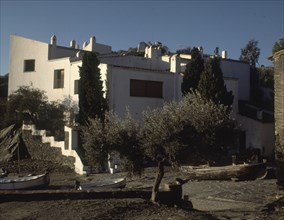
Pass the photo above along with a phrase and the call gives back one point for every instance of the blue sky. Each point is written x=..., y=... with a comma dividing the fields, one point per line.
x=228, y=25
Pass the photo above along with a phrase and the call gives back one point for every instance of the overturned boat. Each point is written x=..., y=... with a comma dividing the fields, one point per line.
x=231, y=172
x=102, y=185
x=24, y=182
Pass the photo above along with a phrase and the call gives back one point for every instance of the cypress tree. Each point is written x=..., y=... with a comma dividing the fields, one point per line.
x=211, y=85
x=92, y=102
x=192, y=72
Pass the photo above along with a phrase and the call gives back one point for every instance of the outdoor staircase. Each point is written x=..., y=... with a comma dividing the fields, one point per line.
x=67, y=148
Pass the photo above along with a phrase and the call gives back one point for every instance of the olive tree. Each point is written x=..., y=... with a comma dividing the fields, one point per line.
x=161, y=139
x=194, y=125
x=113, y=134
x=167, y=135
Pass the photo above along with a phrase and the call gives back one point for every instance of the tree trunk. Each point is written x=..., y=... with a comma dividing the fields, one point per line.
x=158, y=180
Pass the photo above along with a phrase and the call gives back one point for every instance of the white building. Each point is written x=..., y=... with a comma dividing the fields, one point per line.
x=132, y=81
x=54, y=69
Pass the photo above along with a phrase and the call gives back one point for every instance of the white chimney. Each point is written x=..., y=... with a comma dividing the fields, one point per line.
x=53, y=40
x=73, y=44
x=85, y=44
x=93, y=39
x=152, y=52
x=92, y=43
x=175, y=64
x=224, y=54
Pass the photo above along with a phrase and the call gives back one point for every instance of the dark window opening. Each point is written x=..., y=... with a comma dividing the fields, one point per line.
x=58, y=79
x=76, y=87
x=29, y=65
x=144, y=88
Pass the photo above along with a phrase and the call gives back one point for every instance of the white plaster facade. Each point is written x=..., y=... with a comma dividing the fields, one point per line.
x=259, y=135
x=117, y=71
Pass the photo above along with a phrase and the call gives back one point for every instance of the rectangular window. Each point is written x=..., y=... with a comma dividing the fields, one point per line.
x=29, y=65
x=58, y=79
x=144, y=88
x=76, y=87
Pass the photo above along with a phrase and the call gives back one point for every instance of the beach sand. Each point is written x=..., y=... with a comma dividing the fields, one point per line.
x=210, y=199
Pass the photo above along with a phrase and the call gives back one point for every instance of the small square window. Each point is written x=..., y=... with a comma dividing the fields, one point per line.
x=29, y=65
x=58, y=79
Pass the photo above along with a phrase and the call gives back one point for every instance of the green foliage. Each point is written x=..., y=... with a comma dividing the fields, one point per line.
x=178, y=131
x=262, y=79
x=211, y=84
x=278, y=45
x=4, y=85
x=192, y=72
x=4, y=122
x=6, y=119
x=51, y=118
x=266, y=77
x=250, y=53
x=214, y=129
x=92, y=102
x=162, y=133
x=190, y=127
x=92, y=135
x=27, y=100
x=130, y=145
x=32, y=106
x=113, y=134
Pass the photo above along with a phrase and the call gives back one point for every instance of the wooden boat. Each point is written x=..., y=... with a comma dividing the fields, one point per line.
x=24, y=182
x=102, y=185
x=231, y=172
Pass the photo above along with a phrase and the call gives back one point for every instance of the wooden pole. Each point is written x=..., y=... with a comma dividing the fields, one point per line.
x=19, y=169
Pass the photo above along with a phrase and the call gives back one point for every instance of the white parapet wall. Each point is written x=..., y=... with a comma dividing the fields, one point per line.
x=68, y=151
x=71, y=151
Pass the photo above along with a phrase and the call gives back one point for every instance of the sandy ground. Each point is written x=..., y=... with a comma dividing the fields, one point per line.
x=210, y=200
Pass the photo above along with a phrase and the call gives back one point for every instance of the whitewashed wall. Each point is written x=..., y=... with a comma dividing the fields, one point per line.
x=119, y=90
x=258, y=135
x=232, y=85
x=23, y=49
x=241, y=71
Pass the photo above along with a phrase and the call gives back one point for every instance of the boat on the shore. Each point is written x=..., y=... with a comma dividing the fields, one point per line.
x=102, y=185
x=24, y=182
x=230, y=172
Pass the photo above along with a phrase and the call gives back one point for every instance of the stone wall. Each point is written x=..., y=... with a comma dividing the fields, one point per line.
x=278, y=59
x=279, y=101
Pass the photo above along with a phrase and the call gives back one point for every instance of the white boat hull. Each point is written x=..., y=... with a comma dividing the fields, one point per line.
x=103, y=185
x=25, y=182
